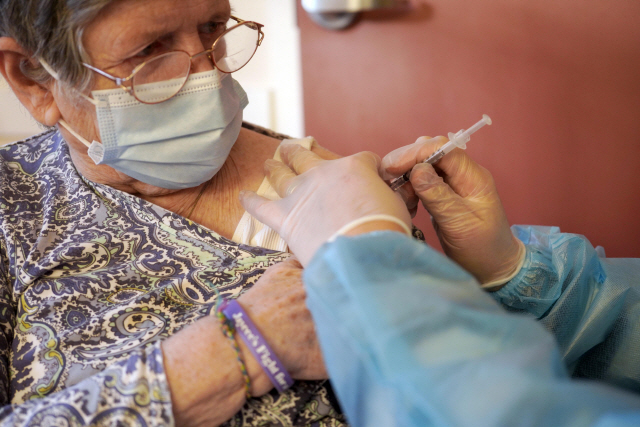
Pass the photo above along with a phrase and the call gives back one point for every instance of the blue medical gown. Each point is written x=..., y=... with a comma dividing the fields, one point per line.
x=409, y=339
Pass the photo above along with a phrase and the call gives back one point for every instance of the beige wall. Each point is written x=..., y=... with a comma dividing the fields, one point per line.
x=273, y=78
x=15, y=122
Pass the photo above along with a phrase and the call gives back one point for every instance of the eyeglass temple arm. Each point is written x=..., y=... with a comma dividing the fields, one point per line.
x=260, y=26
x=118, y=80
x=260, y=33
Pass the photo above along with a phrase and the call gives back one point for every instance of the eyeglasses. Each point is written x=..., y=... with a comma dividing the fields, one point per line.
x=230, y=51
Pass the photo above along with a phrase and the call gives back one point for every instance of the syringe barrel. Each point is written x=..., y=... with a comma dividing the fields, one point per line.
x=459, y=139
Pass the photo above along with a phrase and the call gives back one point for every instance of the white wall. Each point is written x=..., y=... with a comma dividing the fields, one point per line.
x=272, y=79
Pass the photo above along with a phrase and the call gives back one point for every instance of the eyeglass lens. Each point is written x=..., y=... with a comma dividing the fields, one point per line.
x=231, y=52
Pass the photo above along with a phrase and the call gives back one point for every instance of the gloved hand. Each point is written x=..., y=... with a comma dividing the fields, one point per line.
x=406, y=157
x=321, y=196
x=465, y=209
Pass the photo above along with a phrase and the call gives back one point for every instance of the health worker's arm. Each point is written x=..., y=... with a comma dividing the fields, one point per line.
x=409, y=339
x=590, y=304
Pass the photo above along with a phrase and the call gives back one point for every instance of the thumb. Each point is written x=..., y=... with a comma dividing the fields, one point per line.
x=403, y=159
x=436, y=195
x=264, y=210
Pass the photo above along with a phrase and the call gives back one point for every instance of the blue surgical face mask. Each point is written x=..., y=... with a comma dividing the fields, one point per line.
x=178, y=143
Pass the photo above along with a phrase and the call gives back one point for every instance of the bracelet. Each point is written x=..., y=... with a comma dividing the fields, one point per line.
x=259, y=348
x=227, y=330
x=369, y=218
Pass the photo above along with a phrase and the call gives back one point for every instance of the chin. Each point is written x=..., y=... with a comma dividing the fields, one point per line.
x=133, y=186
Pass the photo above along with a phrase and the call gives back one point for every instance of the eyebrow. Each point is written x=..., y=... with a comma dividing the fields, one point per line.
x=140, y=40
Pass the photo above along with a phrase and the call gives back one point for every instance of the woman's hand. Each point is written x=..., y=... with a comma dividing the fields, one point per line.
x=207, y=386
x=276, y=304
x=465, y=208
x=321, y=196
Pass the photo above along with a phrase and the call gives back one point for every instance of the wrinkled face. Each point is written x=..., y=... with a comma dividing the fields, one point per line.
x=129, y=32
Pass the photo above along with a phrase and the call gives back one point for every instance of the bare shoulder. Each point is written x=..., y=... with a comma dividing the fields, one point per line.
x=254, y=146
x=264, y=131
x=262, y=143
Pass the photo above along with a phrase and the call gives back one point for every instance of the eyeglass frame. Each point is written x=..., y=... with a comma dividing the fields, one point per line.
x=120, y=80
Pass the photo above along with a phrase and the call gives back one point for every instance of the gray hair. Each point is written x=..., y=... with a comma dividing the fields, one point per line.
x=51, y=30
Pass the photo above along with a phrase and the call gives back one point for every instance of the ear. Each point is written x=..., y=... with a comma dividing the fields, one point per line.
x=37, y=98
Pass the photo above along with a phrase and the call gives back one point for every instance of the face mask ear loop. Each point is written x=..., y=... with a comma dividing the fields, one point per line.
x=56, y=76
x=74, y=133
x=48, y=69
x=63, y=123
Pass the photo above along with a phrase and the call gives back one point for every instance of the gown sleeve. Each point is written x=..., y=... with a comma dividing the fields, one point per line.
x=409, y=339
x=591, y=304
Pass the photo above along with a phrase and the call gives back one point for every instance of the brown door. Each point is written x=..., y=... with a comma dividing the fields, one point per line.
x=560, y=79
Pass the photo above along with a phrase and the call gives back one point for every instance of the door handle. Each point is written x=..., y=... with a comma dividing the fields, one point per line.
x=339, y=14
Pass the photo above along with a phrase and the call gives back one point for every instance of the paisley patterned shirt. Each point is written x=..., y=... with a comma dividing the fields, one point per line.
x=91, y=281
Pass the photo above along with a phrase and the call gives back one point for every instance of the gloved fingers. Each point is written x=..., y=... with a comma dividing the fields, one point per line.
x=370, y=158
x=466, y=177
x=323, y=152
x=264, y=210
x=413, y=211
x=280, y=177
x=410, y=198
x=299, y=158
x=438, y=197
x=404, y=158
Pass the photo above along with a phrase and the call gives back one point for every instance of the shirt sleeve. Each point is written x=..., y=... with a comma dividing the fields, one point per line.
x=132, y=392
x=409, y=339
x=591, y=304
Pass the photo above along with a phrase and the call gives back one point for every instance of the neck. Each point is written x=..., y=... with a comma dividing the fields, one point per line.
x=213, y=204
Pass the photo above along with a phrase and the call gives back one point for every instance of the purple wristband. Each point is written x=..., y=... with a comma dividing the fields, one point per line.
x=258, y=346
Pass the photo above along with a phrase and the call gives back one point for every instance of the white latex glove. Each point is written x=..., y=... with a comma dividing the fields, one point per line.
x=465, y=209
x=321, y=196
x=408, y=156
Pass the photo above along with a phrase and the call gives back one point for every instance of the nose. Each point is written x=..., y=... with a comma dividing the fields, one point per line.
x=200, y=61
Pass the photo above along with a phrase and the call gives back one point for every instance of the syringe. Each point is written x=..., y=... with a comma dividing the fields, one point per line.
x=459, y=139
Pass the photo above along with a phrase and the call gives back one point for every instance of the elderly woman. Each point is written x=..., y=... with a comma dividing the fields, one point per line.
x=121, y=225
